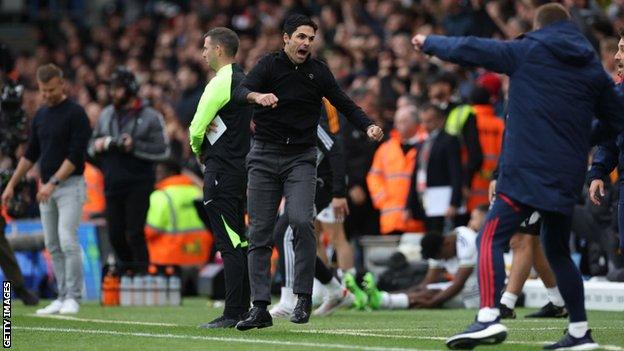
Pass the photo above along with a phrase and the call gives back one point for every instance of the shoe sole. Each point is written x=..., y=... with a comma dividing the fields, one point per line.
x=590, y=346
x=492, y=335
x=264, y=325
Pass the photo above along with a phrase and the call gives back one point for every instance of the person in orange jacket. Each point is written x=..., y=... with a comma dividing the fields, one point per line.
x=490, y=129
x=389, y=177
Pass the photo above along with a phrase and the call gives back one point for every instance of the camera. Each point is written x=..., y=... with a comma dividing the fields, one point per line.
x=12, y=119
x=13, y=133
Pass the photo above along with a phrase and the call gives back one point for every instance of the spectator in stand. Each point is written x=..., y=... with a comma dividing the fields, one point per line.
x=390, y=174
x=437, y=166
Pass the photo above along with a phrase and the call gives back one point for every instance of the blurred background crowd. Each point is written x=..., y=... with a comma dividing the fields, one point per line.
x=366, y=44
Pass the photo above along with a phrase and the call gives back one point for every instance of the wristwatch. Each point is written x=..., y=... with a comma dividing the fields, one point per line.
x=54, y=180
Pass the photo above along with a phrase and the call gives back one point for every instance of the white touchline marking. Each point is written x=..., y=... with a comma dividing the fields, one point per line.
x=356, y=332
x=76, y=319
x=223, y=339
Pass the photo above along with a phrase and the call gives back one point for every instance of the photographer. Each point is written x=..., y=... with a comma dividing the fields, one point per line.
x=128, y=139
x=12, y=134
x=59, y=135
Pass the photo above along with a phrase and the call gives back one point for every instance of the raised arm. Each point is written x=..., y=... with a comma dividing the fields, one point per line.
x=494, y=55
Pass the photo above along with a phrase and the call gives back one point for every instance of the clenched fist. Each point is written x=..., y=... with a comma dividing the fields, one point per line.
x=374, y=133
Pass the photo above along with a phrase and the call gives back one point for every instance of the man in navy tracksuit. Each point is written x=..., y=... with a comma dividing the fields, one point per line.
x=557, y=85
x=609, y=155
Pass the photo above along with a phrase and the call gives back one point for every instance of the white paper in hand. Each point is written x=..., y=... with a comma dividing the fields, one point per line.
x=436, y=200
x=214, y=135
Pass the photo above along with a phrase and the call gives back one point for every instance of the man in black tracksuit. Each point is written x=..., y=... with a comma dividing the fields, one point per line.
x=128, y=139
x=287, y=88
x=224, y=161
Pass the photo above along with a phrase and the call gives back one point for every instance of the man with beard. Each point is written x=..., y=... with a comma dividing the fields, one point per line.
x=286, y=88
x=58, y=140
x=128, y=139
x=609, y=155
x=224, y=162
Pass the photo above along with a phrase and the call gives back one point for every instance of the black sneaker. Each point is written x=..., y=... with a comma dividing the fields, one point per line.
x=257, y=317
x=302, y=311
x=568, y=342
x=478, y=333
x=220, y=323
x=549, y=311
x=27, y=297
x=506, y=312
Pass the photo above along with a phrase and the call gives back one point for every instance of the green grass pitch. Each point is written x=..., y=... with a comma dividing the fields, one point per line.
x=175, y=329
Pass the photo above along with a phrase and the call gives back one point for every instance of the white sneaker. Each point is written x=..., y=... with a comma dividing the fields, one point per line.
x=54, y=307
x=286, y=305
x=333, y=301
x=70, y=306
x=318, y=293
x=282, y=310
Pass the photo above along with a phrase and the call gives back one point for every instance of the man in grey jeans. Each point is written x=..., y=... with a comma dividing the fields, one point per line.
x=286, y=88
x=58, y=141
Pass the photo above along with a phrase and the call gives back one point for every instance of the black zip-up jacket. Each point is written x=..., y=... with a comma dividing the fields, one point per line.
x=299, y=89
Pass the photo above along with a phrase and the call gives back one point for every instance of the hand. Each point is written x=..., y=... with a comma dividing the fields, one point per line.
x=419, y=41
x=451, y=212
x=100, y=144
x=7, y=194
x=127, y=142
x=45, y=192
x=357, y=195
x=266, y=100
x=493, y=9
x=341, y=208
x=374, y=133
x=596, y=185
x=492, y=190
x=426, y=303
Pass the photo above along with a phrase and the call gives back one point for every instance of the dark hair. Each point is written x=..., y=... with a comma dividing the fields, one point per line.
x=431, y=245
x=124, y=78
x=429, y=106
x=479, y=96
x=47, y=72
x=297, y=20
x=549, y=14
x=226, y=38
x=444, y=77
x=621, y=32
x=171, y=166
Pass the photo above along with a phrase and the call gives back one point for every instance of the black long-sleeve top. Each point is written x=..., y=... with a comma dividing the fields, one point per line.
x=299, y=89
x=59, y=132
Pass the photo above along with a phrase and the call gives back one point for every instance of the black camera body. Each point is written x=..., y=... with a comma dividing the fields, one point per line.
x=12, y=119
x=13, y=132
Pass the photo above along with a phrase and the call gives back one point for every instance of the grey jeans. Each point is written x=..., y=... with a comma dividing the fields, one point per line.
x=276, y=171
x=60, y=217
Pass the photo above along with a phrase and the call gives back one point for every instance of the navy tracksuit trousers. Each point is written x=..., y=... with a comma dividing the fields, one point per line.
x=502, y=221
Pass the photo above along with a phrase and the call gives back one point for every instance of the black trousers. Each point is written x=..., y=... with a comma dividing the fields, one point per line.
x=224, y=201
x=284, y=241
x=275, y=171
x=126, y=212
